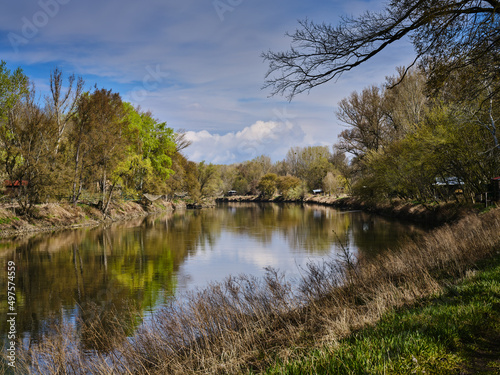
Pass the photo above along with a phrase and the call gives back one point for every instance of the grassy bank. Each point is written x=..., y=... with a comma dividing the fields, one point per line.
x=343, y=308
x=454, y=332
x=55, y=216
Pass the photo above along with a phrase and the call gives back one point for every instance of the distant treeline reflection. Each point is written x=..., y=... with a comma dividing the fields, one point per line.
x=81, y=276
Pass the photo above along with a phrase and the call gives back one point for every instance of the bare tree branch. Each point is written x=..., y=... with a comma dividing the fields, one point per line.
x=460, y=30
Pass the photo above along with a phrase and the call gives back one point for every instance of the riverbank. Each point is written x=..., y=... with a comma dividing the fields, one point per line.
x=456, y=331
x=59, y=216
x=250, y=325
x=429, y=214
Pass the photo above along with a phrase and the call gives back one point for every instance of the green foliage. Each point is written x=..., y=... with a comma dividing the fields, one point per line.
x=310, y=164
x=151, y=146
x=436, y=338
x=191, y=183
x=28, y=143
x=12, y=87
x=287, y=185
x=333, y=183
x=208, y=179
x=184, y=179
x=98, y=140
x=249, y=173
x=298, y=192
x=241, y=185
x=267, y=185
x=442, y=146
x=81, y=143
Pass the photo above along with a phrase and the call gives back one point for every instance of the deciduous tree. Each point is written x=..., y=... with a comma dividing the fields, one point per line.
x=363, y=114
x=447, y=34
x=267, y=185
x=286, y=185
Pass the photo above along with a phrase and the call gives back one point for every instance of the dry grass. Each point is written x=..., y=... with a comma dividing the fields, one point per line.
x=244, y=324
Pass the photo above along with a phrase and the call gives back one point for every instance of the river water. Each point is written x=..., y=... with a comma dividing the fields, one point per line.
x=143, y=263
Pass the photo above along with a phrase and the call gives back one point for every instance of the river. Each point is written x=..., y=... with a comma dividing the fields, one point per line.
x=145, y=262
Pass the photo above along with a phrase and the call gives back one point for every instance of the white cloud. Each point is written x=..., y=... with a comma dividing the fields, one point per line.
x=210, y=71
x=270, y=138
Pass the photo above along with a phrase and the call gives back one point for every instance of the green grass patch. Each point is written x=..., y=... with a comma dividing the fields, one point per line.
x=454, y=333
x=5, y=220
x=8, y=220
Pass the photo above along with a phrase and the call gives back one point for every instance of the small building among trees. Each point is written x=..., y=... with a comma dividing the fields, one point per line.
x=448, y=187
x=13, y=188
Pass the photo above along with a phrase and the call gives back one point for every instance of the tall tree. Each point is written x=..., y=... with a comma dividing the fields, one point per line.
x=364, y=115
x=207, y=176
x=310, y=164
x=267, y=185
x=26, y=134
x=152, y=145
x=62, y=105
x=99, y=140
x=405, y=102
x=287, y=184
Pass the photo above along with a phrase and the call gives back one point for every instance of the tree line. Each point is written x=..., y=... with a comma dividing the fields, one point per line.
x=401, y=138
x=76, y=145
x=302, y=170
x=404, y=138
x=407, y=140
x=73, y=145
x=430, y=127
x=433, y=123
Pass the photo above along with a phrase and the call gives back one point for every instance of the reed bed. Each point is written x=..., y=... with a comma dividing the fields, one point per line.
x=245, y=324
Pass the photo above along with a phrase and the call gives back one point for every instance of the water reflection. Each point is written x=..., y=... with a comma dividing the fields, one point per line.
x=80, y=276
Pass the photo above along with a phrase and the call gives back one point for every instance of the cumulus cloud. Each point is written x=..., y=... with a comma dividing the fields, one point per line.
x=270, y=138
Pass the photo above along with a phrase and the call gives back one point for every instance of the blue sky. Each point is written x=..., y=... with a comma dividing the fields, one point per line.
x=196, y=64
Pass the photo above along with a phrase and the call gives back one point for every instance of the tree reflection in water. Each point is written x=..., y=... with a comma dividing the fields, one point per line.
x=96, y=278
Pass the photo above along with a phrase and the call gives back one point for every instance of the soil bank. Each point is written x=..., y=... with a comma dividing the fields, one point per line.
x=56, y=216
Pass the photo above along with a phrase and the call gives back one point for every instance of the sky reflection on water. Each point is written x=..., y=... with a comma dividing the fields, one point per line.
x=142, y=263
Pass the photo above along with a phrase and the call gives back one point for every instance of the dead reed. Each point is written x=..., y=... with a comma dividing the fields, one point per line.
x=244, y=324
